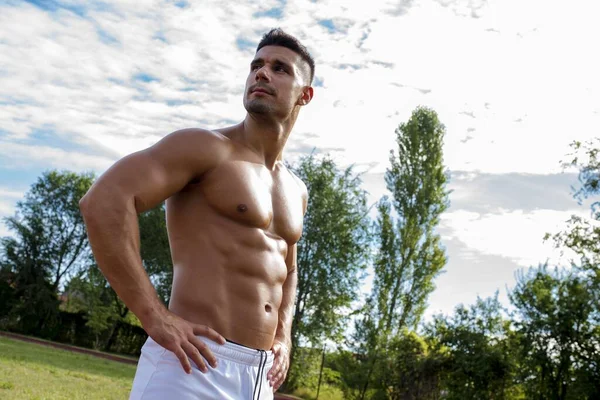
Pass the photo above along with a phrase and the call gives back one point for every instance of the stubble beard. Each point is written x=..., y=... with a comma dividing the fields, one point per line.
x=256, y=106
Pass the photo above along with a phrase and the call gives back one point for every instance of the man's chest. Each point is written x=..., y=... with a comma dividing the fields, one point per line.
x=252, y=195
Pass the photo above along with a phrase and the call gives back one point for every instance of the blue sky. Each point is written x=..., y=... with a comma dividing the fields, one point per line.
x=85, y=83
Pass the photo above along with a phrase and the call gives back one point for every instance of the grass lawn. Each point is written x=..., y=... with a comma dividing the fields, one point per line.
x=31, y=371
x=326, y=393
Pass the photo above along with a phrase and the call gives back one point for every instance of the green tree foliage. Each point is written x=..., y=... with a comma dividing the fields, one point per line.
x=155, y=250
x=586, y=158
x=90, y=293
x=351, y=374
x=582, y=235
x=49, y=244
x=479, y=343
x=48, y=226
x=415, y=368
x=411, y=367
x=410, y=254
x=33, y=306
x=578, y=290
x=332, y=252
x=417, y=182
x=557, y=320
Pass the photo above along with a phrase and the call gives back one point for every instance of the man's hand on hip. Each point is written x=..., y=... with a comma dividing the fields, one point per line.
x=281, y=363
x=179, y=336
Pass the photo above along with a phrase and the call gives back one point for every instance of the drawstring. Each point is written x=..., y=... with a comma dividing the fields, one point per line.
x=261, y=367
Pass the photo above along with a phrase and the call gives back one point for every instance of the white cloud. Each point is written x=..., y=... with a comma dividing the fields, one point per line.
x=512, y=234
x=8, y=193
x=18, y=155
x=6, y=208
x=502, y=67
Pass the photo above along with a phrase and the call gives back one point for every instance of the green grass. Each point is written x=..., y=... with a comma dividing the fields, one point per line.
x=326, y=393
x=31, y=371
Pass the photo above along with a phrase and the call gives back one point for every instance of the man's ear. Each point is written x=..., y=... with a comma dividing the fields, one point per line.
x=306, y=96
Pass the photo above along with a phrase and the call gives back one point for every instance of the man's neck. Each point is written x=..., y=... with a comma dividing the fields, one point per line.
x=267, y=138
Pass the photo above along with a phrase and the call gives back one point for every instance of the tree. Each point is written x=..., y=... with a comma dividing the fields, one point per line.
x=557, y=321
x=479, y=344
x=409, y=253
x=331, y=253
x=33, y=308
x=416, y=368
x=582, y=236
x=417, y=182
x=89, y=292
x=49, y=217
x=49, y=243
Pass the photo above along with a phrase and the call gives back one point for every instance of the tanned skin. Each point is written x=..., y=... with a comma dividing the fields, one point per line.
x=234, y=217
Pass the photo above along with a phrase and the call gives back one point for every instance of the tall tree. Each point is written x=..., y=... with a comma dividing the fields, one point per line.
x=417, y=181
x=410, y=255
x=332, y=252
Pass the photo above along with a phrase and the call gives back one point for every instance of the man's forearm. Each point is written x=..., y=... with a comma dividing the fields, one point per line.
x=286, y=310
x=113, y=233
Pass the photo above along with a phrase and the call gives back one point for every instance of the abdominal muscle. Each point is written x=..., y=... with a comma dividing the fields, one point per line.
x=228, y=276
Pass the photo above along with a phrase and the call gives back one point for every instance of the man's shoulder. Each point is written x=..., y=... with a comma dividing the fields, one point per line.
x=196, y=141
x=199, y=135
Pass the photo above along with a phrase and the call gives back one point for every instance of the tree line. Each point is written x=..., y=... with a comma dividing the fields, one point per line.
x=546, y=346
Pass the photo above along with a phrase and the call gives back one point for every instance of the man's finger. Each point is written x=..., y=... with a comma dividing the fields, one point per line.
x=280, y=379
x=204, y=350
x=274, y=369
x=185, y=363
x=208, y=332
x=194, y=354
x=276, y=386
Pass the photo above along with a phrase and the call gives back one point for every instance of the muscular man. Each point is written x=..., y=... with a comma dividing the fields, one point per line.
x=234, y=216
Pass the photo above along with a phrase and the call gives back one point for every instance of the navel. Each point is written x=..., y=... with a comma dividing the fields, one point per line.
x=242, y=208
x=268, y=308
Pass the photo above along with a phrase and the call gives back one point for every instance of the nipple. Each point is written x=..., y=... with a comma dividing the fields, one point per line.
x=242, y=208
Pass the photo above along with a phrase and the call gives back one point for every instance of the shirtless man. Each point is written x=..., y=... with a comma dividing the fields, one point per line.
x=234, y=217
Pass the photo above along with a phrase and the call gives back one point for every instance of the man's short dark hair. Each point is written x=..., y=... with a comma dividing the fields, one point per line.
x=277, y=37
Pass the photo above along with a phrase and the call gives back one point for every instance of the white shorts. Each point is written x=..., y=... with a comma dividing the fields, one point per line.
x=241, y=374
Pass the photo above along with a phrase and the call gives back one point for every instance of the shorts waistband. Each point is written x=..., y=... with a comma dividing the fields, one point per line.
x=239, y=353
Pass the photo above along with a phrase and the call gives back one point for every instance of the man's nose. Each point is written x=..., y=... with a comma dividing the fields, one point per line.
x=262, y=74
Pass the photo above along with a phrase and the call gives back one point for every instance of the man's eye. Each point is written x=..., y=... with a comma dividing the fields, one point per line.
x=279, y=68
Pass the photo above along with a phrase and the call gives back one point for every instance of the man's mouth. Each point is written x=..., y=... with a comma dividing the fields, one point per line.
x=260, y=90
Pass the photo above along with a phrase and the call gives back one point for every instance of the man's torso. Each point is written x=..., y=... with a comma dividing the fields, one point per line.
x=229, y=234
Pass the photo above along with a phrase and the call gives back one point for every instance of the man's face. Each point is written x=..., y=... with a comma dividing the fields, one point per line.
x=276, y=82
